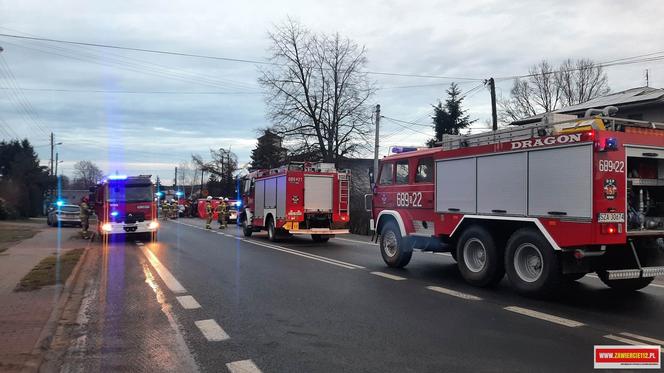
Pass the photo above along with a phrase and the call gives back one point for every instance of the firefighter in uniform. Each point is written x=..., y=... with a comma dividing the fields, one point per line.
x=84, y=214
x=208, y=212
x=222, y=210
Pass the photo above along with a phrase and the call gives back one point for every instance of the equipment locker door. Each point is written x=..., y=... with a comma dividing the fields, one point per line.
x=318, y=193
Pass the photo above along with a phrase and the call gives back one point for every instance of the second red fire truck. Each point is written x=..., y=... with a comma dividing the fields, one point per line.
x=543, y=204
x=126, y=205
x=298, y=198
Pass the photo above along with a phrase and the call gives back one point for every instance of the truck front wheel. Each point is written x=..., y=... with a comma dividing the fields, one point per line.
x=626, y=285
x=531, y=264
x=394, y=250
x=478, y=258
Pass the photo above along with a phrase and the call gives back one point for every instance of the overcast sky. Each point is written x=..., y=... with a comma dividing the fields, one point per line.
x=120, y=110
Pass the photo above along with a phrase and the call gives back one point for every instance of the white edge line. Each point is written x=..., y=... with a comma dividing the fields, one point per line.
x=166, y=275
x=356, y=241
x=387, y=275
x=211, y=330
x=453, y=293
x=243, y=366
x=544, y=316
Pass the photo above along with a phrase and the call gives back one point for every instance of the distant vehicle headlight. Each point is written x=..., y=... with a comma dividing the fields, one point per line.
x=107, y=227
x=153, y=225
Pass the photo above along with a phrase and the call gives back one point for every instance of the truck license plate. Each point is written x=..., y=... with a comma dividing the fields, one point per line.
x=611, y=217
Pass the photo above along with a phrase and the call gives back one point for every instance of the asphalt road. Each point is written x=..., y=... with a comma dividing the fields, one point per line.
x=300, y=306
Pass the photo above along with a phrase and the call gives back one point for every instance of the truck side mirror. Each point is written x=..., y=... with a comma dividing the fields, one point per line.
x=372, y=182
x=368, y=202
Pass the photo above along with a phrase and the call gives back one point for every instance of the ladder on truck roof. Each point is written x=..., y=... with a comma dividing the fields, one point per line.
x=528, y=131
x=344, y=191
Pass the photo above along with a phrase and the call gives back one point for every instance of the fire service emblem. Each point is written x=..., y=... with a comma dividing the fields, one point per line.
x=610, y=189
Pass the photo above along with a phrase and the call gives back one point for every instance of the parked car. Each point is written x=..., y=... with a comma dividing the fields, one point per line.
x=64, y=215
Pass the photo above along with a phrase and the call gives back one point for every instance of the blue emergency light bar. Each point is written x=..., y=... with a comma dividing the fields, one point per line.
x=402, y=149
x=117, y=177
x=59, y=203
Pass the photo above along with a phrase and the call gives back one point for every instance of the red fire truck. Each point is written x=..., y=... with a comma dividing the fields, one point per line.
x=542, y=203
x=126, y=205
x=298, y=198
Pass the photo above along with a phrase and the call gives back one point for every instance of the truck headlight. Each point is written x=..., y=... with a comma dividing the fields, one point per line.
x=107, y=227
x=153, y=225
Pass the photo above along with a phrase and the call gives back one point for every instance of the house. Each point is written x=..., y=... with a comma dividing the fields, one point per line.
x=641, y=103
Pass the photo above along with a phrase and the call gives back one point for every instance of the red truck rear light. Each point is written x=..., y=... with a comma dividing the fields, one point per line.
x=610, y=228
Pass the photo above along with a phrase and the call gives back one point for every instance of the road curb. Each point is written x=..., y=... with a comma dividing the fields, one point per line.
x=40, y=348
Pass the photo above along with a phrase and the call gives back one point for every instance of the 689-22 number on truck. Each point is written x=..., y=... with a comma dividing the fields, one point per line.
x=409, y=199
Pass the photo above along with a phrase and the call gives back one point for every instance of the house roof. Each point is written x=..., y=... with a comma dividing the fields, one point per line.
x=632, y=96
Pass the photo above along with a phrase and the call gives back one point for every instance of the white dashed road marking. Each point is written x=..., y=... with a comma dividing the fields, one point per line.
x=453, y=293
x=545, y=316
x=387, y=275
x=647, y=339
x=243, y=366
x=211, y=330
x=188, y=302
x=623, y=340
x=170, y=280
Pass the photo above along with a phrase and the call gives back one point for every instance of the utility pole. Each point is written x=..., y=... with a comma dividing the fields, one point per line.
x=52, y=146
x=494, y=113
x=201, y=182
x=376, y=143
x=176, y=179
x=56, y=164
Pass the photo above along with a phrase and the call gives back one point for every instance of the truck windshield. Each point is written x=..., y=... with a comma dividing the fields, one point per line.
x=129, y=193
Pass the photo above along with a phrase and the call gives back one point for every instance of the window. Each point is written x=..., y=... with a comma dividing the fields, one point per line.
x=424, y=171
x=386, y=174
x=402, y=172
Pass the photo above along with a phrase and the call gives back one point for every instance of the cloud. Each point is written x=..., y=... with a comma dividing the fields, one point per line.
x=478, y=39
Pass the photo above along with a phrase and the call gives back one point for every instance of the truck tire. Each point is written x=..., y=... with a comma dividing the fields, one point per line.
x=320, y=237
x=479, y=260
x=271, y=230
x=626, y=285
x=246, y=230
x=532, y=265
x=393, y=247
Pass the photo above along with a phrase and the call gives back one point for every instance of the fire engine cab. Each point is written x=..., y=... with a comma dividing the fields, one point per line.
x=543, y=203
x=298, y=198
x=126, y=205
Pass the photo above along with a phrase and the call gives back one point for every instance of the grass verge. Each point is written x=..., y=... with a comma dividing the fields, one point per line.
x=46, y=272
x=10, y=235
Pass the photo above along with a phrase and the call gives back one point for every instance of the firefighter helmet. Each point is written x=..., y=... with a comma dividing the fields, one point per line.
x=209, y=198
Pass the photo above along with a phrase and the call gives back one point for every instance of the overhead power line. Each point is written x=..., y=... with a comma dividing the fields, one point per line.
x=135, y=92
x=221, y=58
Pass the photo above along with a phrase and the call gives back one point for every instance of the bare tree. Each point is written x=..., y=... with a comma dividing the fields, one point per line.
x=86, y=174
x=547, y=89
x=580, y=81
x=316, y=92
x=221, y=168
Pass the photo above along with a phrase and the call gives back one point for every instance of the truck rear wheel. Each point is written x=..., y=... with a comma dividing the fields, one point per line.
x=626, y=285
x=531, y=264
x=393, y=247
x=271, y=231
x=478, y=258
x=246, y=230
x=320, y=237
